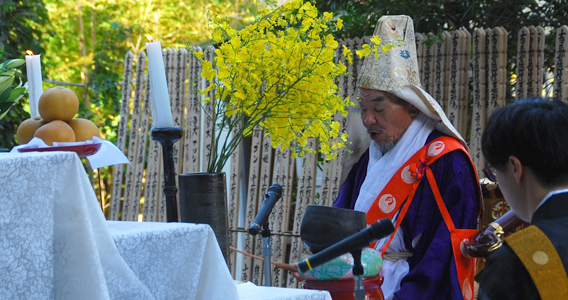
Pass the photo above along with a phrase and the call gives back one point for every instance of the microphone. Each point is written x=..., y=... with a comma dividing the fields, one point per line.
x=270, y=198
x=358, y=241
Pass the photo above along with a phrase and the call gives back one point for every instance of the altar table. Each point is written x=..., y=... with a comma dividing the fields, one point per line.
x=56, y=244
x=174, y=260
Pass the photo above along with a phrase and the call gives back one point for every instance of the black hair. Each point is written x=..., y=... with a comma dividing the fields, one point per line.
x=535, y=130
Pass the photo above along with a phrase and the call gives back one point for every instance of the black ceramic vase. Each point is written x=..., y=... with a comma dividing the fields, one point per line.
x=203, y=199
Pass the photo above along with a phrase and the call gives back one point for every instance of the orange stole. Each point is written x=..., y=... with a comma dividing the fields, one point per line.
x=399, y=193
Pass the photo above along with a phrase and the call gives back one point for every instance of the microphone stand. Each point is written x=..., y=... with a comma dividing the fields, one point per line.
x=358, y=272
x=266, y=253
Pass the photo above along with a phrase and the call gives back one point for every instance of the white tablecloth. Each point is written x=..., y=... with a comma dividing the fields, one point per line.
x=249, y=291
x=56, y=244
x=175, y=260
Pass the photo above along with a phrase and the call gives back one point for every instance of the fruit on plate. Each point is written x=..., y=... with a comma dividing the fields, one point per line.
x=55, y=131
x=27, y=129
x=58, y=103
x=84, y=129
x=57, y=106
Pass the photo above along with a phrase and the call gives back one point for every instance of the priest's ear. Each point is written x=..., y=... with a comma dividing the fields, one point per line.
x=413, y=111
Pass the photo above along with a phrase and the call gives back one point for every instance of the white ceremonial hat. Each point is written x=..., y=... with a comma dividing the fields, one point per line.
x=397, y=71
x=398, y=66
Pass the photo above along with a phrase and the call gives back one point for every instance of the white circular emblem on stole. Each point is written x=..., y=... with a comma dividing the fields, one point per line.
x=387, y=203
x=406, y=176
x=467, y=291
x=436, y=148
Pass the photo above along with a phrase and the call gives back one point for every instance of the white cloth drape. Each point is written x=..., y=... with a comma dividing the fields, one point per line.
x=249, y=291
x=174, y=260
x=79, y=252
x=56, y=244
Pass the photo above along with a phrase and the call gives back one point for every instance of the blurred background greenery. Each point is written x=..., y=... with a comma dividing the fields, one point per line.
x=83, y=42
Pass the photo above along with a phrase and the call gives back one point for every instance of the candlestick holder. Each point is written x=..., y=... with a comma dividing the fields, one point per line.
x=167, y=136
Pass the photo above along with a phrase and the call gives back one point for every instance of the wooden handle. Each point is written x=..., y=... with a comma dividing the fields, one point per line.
x=280, y=265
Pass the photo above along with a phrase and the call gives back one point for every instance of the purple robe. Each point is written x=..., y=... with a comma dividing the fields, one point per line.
x=432, y=273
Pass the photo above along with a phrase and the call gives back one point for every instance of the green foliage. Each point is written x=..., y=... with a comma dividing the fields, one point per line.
x=20, y=30
x=86, y=42
x=11, y=83
x=20, y=26
x=360, y=18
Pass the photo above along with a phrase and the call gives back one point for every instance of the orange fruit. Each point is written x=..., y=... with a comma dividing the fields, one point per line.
x=27, y=129
x=55, y=131
x=84, y=129
x=58, y=103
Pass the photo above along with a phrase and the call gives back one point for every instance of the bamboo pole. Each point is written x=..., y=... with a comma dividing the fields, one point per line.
x=280, y=265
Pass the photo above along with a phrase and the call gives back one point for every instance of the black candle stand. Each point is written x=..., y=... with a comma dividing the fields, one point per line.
x=167, y=136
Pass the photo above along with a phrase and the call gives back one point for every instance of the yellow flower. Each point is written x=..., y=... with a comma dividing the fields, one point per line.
x=331, y=156
x=312, y=12
x=208, y=74
x=376, y=40
x=366, y=50
x=198, y=55
x=223, y=73
x=331, y=42
x=217, y=36
x=315, y=44
x=386, y=48
x=347, y=54
x=279, y=77
x=240, y=95
x=206, y=65
x=339, y=24
x=335, y=126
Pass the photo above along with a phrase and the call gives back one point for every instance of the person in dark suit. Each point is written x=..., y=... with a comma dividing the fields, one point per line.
x=526, y=143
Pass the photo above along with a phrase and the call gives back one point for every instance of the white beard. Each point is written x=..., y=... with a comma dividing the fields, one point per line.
x=386, y=147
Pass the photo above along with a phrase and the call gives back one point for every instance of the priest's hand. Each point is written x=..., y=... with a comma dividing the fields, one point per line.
x=297, y=274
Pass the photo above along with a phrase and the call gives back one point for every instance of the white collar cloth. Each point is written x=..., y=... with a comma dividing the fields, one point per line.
x=381, y=168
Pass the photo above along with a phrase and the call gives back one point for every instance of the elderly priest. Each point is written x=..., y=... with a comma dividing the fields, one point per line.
x=417, y=172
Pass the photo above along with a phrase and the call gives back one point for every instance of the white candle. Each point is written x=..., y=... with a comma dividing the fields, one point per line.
x=160, y=98
x=35, y=86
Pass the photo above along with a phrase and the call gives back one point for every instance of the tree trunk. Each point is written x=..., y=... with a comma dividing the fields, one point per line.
x=83, y=53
